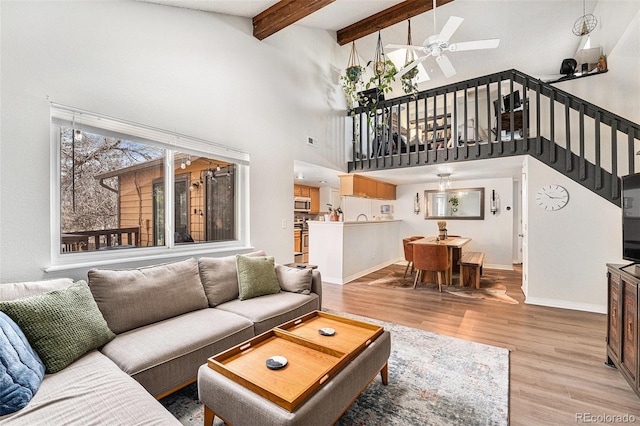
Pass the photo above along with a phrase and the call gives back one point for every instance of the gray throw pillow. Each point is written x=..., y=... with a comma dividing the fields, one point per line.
x=133, y=298
x=219, y=277
x=61, y=325
x=256, y=276
x=295, y=280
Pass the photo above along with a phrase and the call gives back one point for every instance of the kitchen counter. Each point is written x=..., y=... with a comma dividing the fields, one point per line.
x=345, y=251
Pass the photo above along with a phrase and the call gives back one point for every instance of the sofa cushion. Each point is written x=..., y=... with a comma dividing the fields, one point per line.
x=219, y=277
x=92, y=391
x=135, y=297
x=21, y=369
x=167, y=354
x=272, y=310
x=61, y=325
x=295, y=280
x=13, y=291
x=256, y=276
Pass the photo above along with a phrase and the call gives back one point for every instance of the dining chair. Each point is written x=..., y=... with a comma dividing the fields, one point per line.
x=430, y=257
x=408, y=252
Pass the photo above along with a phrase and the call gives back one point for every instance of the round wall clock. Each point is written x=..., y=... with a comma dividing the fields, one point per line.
x=552, y=197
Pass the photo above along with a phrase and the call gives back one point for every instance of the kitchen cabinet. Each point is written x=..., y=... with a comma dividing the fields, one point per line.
x=310, y=192
x=385, y=191
x=361, y=186
x=622, y=324
x=305, y=246
x=314, y=193
x=301, y=191
x=297, y=241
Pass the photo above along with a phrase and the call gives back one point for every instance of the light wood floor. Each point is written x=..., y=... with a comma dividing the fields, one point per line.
x=557, y=356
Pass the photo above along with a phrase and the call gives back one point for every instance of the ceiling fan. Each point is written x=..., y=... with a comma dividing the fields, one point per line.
x=438, y=44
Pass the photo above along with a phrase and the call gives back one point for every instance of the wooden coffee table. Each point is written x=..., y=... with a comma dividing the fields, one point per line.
x=313, y=360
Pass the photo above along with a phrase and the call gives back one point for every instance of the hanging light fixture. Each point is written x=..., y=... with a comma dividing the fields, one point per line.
x=584, y=24
x=445, y=181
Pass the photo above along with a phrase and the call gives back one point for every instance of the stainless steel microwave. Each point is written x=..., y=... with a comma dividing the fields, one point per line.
x=302, y=204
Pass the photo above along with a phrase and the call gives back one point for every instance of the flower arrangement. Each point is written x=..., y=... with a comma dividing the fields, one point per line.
x=442, y=228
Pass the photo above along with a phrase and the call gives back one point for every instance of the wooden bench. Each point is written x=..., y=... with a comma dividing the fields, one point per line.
x=471, y=269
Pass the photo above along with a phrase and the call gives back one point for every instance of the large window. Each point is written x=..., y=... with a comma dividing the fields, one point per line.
x=126, y=186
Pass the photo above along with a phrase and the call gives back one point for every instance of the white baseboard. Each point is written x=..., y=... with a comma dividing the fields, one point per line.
x=564, y=304
x=347, y=279
x=502, y=267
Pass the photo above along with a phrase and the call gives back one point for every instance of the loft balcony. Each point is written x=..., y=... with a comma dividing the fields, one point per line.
x=498, y=115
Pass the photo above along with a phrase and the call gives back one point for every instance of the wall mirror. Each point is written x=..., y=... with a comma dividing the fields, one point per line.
x=460, y=203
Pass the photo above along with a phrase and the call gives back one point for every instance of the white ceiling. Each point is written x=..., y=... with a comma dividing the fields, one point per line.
x=508, y=167
x=535, y=36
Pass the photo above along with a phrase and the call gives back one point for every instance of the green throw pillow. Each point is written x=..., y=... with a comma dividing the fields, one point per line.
x=61, y=325
x=256, y=276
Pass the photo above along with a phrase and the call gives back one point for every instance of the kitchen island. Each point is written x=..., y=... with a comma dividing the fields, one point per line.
x=345, y=251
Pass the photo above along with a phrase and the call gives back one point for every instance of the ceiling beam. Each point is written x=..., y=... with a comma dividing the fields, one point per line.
x=283, y=14
x=391, y=16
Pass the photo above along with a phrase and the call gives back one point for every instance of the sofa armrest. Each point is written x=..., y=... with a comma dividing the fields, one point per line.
x=316, y=286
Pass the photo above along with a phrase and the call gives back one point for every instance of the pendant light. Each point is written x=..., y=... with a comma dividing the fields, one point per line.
x=584, y=24
x=445, y=181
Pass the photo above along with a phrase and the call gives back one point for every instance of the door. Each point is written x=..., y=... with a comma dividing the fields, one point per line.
x=517, y=218
x=523, y=235
x=220, y=205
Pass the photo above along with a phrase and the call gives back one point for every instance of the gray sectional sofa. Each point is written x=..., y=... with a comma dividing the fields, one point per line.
x=168, y=319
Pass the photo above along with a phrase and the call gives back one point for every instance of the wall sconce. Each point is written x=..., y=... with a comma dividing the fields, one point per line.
x=494, y=202
x=194, y=186
x=445, y=181
x=416, y=204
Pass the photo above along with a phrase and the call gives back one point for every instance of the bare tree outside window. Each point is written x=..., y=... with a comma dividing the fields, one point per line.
x=112, y=195
x=90, y=187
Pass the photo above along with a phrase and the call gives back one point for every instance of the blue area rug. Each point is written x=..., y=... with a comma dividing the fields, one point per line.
x=433, y=380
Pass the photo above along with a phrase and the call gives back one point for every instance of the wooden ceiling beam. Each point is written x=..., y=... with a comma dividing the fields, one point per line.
x=283, y=14
x=391, y=16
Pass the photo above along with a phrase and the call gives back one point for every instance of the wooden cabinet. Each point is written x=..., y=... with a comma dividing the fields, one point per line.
x=622, y=323
x=314, y=193
x=629, y=355
x=311, y=192
x=301, y=191
x=297, y=241
x=361, y=186
x=385, y=191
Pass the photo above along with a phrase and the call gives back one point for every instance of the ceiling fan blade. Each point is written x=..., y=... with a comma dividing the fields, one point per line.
x=410, y=66
x=446, y=66
x=450, y=27
x=474, y=45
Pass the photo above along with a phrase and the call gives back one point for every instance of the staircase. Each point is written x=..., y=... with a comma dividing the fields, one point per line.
x=466, y=121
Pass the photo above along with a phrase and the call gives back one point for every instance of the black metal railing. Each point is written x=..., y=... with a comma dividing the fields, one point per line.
x=503, y=114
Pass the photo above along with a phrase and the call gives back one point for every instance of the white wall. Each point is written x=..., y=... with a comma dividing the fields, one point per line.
x=493, y=235
x=568, y=249
x=195, y=73
x=354, y=206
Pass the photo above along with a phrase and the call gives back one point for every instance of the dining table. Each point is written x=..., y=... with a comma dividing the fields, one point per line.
x=453, y=244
